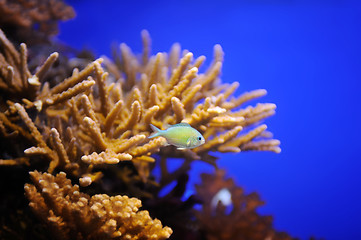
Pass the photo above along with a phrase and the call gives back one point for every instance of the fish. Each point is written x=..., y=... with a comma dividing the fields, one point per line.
x=181, y=135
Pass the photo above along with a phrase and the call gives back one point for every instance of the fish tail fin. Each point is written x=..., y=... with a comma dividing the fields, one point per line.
x=156, y=131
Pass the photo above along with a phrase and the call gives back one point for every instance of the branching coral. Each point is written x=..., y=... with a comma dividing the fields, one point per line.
x=241, y=221
x=91, y=119
x=75, y=215
x=95, y=124
x=170, y=90
x=24, y=18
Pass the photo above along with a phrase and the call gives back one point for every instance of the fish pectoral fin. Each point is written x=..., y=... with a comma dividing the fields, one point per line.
x=188, y=142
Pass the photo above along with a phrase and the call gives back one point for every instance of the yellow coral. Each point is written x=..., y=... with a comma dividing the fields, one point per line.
x=71, y=214
x=107, y=119
x=97, y=120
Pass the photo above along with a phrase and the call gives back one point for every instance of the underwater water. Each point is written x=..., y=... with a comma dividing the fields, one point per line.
x=306, y=54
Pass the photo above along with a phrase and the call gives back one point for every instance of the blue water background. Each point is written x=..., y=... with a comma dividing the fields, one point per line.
x=307, y=54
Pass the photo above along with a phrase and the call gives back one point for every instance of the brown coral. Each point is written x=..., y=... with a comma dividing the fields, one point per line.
x=71, y=214
x=27, y=19
x=242, y=221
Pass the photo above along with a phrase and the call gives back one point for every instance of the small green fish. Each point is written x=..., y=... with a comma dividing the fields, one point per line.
x=181, y=135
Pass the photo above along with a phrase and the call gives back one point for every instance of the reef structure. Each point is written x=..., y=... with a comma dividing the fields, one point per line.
x=33, y=21
x=74, y=215
x=233, y=218
x=89, y=120
x=96, y=121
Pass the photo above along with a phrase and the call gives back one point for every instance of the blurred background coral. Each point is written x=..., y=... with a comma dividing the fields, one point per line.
x=305, y=53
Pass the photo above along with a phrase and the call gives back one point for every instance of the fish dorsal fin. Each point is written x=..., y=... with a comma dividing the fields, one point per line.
x=183, y=124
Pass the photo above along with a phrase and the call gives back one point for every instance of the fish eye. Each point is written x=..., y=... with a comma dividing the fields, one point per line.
x=199, y=138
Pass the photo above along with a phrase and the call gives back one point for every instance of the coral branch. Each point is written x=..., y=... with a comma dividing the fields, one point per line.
x=94, y=131
x=112, y=115
x=59, y=147
x=107, y=157
x=75, y=79
x=178, y=109
x=29, y=123
x=40, y=73
x=69, y=93
x=132, y=120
